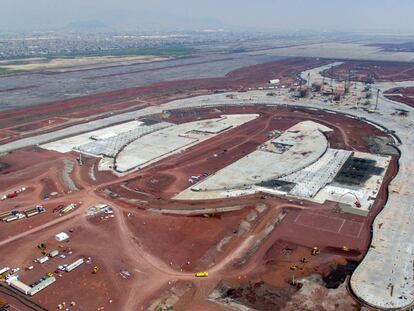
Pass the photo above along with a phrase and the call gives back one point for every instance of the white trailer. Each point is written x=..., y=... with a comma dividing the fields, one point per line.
x=4, y=270
x=54, y=253
x=42, y=259
x=61, y=236
x=20, y=286
x=74, y=265
x=42, y=285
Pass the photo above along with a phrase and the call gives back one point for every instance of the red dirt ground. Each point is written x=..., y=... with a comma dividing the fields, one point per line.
x=38, y=125
x=87, y=290
x=144, y=242
x=371, y=71
x=157, y=235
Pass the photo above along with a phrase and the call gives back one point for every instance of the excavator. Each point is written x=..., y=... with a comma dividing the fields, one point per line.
x=95, y=270
x=315, y=251
x=42, y=247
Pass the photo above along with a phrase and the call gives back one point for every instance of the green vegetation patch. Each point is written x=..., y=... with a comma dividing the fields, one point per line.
x=177, y=51
x=6, y=71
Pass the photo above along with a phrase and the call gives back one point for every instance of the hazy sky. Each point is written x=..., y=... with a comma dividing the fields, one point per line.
x=265, y=14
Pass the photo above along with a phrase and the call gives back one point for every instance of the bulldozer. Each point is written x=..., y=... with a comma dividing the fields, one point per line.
x=315, y=251
x=95, y=270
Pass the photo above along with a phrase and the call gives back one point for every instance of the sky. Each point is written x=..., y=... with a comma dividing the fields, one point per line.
x=320, y=15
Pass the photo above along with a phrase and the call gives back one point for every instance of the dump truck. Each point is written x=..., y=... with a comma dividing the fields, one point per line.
x=201, y=274
x=3, y=304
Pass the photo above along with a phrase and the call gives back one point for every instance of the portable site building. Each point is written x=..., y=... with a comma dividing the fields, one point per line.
x=62, y=236
x=20, y=286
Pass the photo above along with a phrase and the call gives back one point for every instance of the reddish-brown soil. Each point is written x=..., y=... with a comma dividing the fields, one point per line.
x=371, y=71
x=144, y=242
x=402, y=95
x=158, y=234
x=88, y=290
x=17, y=302
x=38, y=125
x=29, y=157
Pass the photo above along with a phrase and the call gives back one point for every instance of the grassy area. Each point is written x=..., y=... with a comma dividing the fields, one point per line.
x=61, y=61
x=14, y=62
x=5, y=71
x=177, y=51
x=172, y=51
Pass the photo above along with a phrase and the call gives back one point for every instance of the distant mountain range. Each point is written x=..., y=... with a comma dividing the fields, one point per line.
x=151, y=20
x=87, y=26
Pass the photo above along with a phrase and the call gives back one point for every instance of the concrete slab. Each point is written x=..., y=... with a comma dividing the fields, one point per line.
x=364, y=194
x=307, y=144
x=67, y=144
x=165, y=142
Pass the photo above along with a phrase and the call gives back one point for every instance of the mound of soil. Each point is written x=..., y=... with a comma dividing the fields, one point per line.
x=258, y=296
x=337, y=276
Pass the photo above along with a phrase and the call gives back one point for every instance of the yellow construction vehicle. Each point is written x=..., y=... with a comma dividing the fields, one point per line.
x=293, y=267
x=41, y=246
x=201, y=274
x=345, y=248
x=315, y=251
x=3, y=304
x=49, y=274
x=95, y=270
x=304, y=260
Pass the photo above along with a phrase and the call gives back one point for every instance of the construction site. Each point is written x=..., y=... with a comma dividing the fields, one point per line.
x=281, y=186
